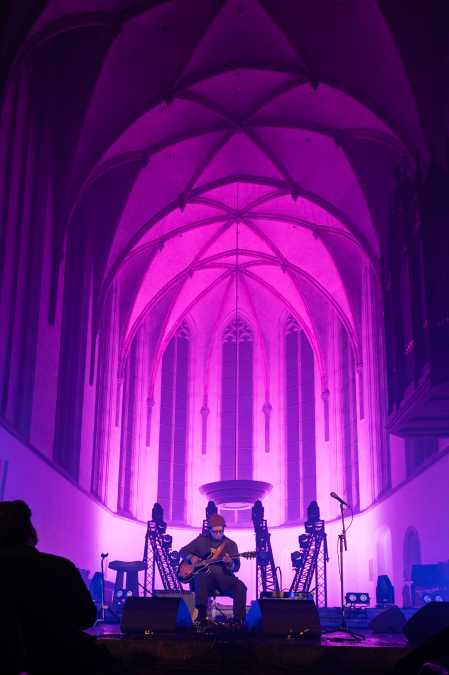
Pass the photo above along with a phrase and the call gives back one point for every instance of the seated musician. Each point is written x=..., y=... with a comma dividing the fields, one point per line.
x=219, y=576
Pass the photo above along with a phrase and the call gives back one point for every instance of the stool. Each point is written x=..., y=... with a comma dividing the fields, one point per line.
x=212, y=608
x=131, y=569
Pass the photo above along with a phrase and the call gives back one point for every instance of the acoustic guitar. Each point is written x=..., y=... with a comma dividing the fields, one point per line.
x=187, y=571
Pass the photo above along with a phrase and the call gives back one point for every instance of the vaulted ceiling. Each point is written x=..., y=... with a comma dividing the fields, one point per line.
x=242, y=140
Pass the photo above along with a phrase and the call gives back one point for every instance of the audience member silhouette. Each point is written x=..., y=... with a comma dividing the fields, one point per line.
x=46, y=607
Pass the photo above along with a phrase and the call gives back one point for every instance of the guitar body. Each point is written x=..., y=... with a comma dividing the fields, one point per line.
x=188, y=570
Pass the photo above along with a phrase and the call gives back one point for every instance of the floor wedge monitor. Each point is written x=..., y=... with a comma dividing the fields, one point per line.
x=428, y=621
x=275, y=616
x=391, y=620
x=155, y=615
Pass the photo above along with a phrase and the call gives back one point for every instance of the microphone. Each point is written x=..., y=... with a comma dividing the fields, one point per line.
x=104, y=555
x=339, y=499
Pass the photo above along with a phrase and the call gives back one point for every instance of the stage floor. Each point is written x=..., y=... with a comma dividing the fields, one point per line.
x=232, y=652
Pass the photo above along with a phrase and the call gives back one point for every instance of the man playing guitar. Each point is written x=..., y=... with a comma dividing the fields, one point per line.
x=219, y=577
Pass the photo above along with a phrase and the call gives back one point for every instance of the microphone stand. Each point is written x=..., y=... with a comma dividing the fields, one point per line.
x=343, y=626
x=101, y=618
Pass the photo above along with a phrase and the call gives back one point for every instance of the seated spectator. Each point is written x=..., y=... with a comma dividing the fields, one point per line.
x=47, y=604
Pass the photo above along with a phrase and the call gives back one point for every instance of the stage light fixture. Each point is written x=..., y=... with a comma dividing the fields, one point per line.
x=436, y=596
x=384, y=591
x=120, y=598
x=174, y=558
x=167, y=540
x=353, y=599
x=303, y=540
x=296, y=558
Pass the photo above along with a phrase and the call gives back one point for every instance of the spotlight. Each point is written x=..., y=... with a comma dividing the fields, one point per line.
x=167, y=540
x=436, y=596
x=296, y=558
x=384, y=591
x=120, y=597
x=174, y=558
x=353, y=599
x=303, y=540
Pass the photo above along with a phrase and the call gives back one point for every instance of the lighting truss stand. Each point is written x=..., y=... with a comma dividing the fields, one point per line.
x=150, y=566
x=343, y=627
x=313, y=564
x=156, y=554
x=266, y=577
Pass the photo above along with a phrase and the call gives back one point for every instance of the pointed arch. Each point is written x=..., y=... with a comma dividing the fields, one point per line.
x=173, y=425
x=300, y=450
x=236, y=437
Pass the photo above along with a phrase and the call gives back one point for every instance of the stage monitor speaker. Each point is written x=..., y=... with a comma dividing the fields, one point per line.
x=187, y=596
x=391, y=620
x=275, y=616
x=155, y=615
x=428, y=620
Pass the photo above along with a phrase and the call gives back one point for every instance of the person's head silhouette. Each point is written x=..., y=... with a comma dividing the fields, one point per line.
x=16, y=528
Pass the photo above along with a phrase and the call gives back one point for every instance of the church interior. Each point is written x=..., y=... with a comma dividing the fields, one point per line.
x=224, y=256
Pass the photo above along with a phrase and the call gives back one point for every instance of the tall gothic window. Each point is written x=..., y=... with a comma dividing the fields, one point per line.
x=171, y=491
x=128, y=435
x=237, y=401
x=299, y=422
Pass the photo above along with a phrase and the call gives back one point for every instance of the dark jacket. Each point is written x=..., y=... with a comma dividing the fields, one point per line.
x=202, y=546
x=50, y=605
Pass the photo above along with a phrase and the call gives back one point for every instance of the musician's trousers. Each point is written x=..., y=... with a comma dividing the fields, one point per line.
x=206, y=583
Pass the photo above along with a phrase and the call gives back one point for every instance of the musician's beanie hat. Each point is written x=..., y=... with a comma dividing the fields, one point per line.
x=215, y=520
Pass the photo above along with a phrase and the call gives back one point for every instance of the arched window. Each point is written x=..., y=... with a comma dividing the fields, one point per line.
x=299, y=421
x=128, y=436
x=411, y=552
x=237, y=401
x=171, y=489
x=411, y=556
